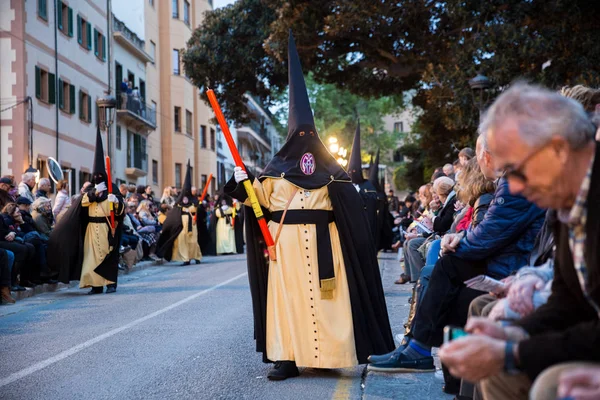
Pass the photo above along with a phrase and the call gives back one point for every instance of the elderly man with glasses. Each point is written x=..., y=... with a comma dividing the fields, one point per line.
x=544, y=145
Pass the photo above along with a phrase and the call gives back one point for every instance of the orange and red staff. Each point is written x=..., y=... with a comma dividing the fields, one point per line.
x=247, y=184
x=109, y=187
x=205, y=188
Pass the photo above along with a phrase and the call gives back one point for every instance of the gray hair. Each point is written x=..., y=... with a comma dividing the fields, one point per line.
x=27, y=176
x=39, y=202
x=44, y=181
x=540, y=114
x=443, y=183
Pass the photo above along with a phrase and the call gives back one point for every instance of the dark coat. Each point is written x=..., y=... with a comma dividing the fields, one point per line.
x=445, y=218
x=567, y=328
x=505, y=237
x=480, y=208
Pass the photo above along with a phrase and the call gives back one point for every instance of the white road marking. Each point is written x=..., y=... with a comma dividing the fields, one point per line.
x=76, y=349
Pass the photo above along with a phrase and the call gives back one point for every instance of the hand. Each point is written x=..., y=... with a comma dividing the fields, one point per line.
x=101, y=187
x=508, y=281
x=458, y=205
x=10, y=237
x=239, y=174
x=225, y=207
x=410, y=236
x=112, y=198
x=485, y=327
x=520, y=294
x=434, y=205
x=497, y=312
x=580, y=384
x=450, y=242
x=473, y=357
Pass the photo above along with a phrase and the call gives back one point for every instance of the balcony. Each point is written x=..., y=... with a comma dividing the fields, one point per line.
x=135, y=113
x=130, y=41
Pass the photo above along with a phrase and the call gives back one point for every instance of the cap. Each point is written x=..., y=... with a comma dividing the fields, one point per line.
x=23, y=200
x=6, y=180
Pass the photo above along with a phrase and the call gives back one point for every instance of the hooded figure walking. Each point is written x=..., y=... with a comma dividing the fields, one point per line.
x=83, y=245
x=384, y=236
x=179, y=236
x=321, y=303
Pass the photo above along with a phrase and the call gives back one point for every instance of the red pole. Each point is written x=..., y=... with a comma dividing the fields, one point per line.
x=247, y=184
x=205, y=188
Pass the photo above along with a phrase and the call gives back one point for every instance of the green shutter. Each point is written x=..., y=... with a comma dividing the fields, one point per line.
x=104, y=47
x=51, y=88
x=95, y=42
x=81, y=105
x=89, y=35
x=38, y=83
x=59, y=14
x=61, y=100
x=70, y=22
x=89, y=99
x=42, y=10
x=79, y=30
x=72, y=98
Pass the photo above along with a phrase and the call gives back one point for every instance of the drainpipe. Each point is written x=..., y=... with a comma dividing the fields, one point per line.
x=56, y=73
x=108, y=46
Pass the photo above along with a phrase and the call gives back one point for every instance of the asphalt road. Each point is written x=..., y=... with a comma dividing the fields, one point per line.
x=169, y=332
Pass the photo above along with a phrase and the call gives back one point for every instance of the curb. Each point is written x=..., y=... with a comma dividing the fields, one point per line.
x=46, y=287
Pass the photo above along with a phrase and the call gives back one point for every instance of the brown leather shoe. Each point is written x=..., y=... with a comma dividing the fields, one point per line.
x=402, y=280
x=6, y=297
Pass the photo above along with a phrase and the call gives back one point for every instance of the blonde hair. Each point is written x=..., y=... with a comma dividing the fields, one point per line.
x=443, y=185
x=62, y=184
x=144, y=206
x=472, y=183
x=585, y=96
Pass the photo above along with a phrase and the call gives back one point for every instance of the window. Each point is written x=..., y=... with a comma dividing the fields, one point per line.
x=177, y=119
x=178, y=175
x=43, y=9
x=212, y=139
x=155, y=172
x=99, y=45
x=142, y=90
x=118, y=138
x=175, y=8
x=45, y=85
x=398, y=157
x=139, y=152
x=176, y=62
x=188, y=122
x=66, y=97
x=85, y=106
x=203, y=136
x=64, y=17
x=186, y=12
x=84, y=33
x=220, y=144
x=153, y=51
x=151, y=2
x=398, y=127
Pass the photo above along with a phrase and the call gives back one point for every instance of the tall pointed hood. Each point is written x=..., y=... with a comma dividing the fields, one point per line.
x=303, y=160
x=99, y=169
x=355, y=164
x=374, y=172
x=186, y=190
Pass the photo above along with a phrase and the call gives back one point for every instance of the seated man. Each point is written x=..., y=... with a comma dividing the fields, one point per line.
x=545, y=145
x=497, y=246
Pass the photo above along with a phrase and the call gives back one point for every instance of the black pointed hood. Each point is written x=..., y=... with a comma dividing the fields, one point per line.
x=99, y=169
x=186, y=190
x=303, y=160
x=355, y=164
x=374, y=172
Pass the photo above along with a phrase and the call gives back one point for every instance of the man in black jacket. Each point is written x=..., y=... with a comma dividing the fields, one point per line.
x=544, y=145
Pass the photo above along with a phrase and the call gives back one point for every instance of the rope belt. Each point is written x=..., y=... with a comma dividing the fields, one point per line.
x=321, y=219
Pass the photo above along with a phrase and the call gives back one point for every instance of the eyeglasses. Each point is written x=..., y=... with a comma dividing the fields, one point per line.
x=516, y=171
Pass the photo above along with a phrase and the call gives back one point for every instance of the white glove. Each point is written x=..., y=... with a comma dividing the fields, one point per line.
x=225, y=208
x=112, y=198
x=101, y=187
x=239, y=174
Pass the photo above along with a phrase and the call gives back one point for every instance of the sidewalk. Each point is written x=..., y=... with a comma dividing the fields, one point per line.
x=378, y=385
x=45, y=288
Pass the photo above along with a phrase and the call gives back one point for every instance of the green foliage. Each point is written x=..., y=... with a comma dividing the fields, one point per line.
x=378, y=48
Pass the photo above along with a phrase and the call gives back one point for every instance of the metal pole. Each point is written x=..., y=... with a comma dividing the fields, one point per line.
x=56, y=73
x=30, y=126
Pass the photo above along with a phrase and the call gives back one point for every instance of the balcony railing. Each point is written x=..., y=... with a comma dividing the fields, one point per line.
x=261, y=130
x=138, y=107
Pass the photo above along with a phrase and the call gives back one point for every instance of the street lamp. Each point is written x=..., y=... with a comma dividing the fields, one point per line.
x=106, y=112
x=479, y=86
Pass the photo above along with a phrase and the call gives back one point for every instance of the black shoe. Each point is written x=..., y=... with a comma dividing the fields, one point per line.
x=283, y=370
x=197, y=261
x=50, y=281
x=401, y=363
x=111, y=289
x=186, y=263
x=17, y=288
x=96, y=290
x=374, y=359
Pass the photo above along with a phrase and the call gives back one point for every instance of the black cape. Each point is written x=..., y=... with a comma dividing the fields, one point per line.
x=372, y=332
x=239, y=231
x=172, y=227
x=65, y=245
x=385, y=224
x=368, y=194
x=203, y=234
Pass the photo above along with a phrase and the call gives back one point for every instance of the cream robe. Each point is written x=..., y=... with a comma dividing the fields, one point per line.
x=185, y=247
x=95, y=244
x=225, y=232
x=300, y=325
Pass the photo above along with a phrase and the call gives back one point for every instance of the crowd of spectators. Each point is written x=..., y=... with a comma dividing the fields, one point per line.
x=525, y=217
x=29, y=211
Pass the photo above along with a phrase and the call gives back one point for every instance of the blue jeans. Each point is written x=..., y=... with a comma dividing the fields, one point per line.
x=433, y=253
x=6, y=269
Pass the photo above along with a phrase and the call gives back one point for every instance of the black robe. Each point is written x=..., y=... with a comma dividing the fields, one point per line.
x=372, y=332
x=171, y=229
x=203, y=234
x=65, y=245
x=385, y=224
x=239, y=231
x=368, y=194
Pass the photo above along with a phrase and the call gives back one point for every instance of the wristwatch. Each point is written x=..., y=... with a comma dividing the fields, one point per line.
x=510, y=365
